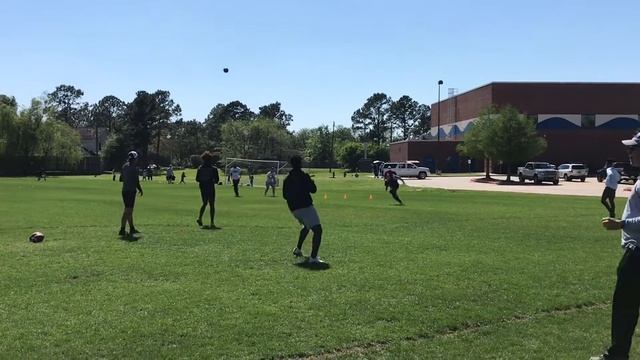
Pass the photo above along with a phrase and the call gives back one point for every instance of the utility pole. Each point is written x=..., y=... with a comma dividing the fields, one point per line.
x=333, y=130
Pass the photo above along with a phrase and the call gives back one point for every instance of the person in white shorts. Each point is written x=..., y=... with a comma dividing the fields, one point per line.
x=297, y=189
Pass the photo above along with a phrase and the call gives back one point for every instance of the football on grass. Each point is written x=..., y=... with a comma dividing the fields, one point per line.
x=36, y=237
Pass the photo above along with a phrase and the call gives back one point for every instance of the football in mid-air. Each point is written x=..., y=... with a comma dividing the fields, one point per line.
x=36, y=237
x=225, y=70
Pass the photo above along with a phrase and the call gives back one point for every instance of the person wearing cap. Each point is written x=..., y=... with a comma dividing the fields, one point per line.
x=609, y=193
x=626, y=296
x=297, y=189
x=130, y=183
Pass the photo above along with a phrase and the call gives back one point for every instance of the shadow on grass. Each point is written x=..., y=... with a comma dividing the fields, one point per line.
x=207, y=227
x=313, y=266
x=131, y=238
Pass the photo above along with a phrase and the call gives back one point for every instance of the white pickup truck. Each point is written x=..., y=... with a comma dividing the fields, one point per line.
x=538, y=172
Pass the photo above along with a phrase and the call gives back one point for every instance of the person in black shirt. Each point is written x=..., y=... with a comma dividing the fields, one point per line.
x=130, y=183
x=391, y=180
x=297, y=189
x=207, y=177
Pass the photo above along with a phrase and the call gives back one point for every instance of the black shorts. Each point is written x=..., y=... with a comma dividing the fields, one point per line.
x=129, y=198
x=207, y=193
x=609, y=193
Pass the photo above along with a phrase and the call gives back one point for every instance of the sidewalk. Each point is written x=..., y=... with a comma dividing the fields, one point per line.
x=591, y=187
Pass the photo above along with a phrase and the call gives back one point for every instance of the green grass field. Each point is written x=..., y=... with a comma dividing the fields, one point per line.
x=451, y=275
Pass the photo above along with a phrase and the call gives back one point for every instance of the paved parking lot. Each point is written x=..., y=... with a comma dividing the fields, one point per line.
x=591, y=187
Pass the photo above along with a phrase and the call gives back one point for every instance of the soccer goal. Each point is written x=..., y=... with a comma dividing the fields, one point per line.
x=253, y=166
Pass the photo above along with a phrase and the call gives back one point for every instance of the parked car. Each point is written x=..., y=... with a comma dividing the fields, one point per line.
x=538, y=172
x=407, y=169
x=573, y=171
x=626, y=170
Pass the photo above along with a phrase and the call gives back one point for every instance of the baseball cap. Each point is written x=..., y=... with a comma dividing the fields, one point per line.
x=132, y=155
x=633, y=141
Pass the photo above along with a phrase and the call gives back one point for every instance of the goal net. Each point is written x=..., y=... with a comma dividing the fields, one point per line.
x=253, y=167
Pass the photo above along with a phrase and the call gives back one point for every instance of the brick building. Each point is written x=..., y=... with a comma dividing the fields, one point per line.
x=582, y=122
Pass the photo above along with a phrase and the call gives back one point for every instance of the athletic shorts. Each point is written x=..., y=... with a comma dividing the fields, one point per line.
x=270, y=184
x=207, y=193
x=307, y=216
x=609, y=192
x=129, y=199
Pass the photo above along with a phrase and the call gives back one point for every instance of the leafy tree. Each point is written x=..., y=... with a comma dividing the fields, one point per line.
x=378, y=152
x=147, y=116
x=29, y=120
x=477, y=143
x=115, y=148
x=187, y=138
x=139, y=118
x=502, y=134
x=514, y=138
x=405, y=114
x=350, y=153
x=318, y=146
x=274, y=111
x=424, y=122
x=371, y=121
x=9, y=101
x=8, y=127
x=214, y=121
x=221, y=114
x=57, y=139
x=108, y=112
x=64, y=104
x=164, y=111
x=259, y=139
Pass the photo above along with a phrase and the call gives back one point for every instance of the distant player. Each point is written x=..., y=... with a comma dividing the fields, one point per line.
x=42, y=175
x=182, y=178
x=171, y=178
x=271, y=182
x=297, y=189
x=611, y=184
x=250, y=170
x=391, y=180
x=207, y=178
x=235, y=177
x=130, y=183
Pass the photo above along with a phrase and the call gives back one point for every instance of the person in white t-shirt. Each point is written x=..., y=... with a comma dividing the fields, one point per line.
x=609, y=193
x=235, y=177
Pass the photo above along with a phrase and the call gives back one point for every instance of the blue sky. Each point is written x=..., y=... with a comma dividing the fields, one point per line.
x=320, y=59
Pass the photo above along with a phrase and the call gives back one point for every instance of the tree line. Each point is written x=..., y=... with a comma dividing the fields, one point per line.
x=152, y=124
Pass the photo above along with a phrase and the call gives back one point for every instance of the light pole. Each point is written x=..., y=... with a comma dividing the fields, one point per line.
x=440, y=82
x=333, y=130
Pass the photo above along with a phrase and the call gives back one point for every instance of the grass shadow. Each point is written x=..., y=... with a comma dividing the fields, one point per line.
x=130, y=238
x=313, y=266
x=207, y=227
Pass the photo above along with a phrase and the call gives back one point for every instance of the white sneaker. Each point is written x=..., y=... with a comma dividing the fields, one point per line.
x=315, y=260
x=297, y=252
